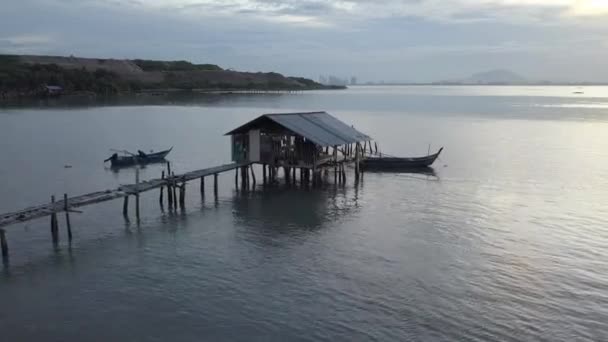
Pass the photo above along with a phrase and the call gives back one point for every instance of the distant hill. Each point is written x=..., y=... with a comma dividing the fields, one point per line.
x=497, y=76
x=27, y=75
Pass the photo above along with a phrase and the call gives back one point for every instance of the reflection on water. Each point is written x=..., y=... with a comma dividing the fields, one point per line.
x=286, y=209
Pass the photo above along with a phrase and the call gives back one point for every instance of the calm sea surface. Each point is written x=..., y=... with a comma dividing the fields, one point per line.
x=508, y=242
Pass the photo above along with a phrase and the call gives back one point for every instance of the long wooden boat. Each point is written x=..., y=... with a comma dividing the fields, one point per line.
x=138, y=159
x=381, y=163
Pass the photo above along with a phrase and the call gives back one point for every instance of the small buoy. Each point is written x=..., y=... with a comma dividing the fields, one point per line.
x=67, y=166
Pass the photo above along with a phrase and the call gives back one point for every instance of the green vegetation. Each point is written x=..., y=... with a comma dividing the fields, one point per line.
x=27, y=76
x=148, y=65
x=29, y=79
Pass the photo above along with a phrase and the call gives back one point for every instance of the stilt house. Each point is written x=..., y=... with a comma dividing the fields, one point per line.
x=296, y=140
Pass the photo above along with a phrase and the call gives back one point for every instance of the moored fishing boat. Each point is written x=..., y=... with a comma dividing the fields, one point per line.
x=140, y=158
x=381, y=163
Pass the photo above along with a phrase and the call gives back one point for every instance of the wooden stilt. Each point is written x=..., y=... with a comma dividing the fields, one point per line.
x=54, y=224
x=125, y=207
x=182, y=195
x=169, y=195
x=335, y=164
x=264, y=173
x=236, y=178
x=160, y=198
x=3, y=244
x=174, y=189
x=169, y=192
x=253, y=175
x=215, y=184
x=137, y=205
x=137, y=193
x=293, y=176
x=357, y=162
x=67, y=216
x=202, y=187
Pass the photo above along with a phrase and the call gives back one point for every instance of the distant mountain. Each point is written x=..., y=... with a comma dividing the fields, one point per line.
x=497, y=76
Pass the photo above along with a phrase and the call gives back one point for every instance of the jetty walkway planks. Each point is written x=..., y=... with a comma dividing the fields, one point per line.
x=49, y=209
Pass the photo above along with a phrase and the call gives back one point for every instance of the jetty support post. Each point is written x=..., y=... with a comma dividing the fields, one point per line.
x=125, y=207
x=253, y=175
x=160, y=199
x=215, y=185
x=236, y=178
x=335, y=164
x=174, y=187
x=3, y=245
x=137, y=193
x=169, y=190
x=270, y=174
x=203, y=185
x=182, y=195
x=67, y=216
x=287, y=173
x=54, y=224
x=357, y=162
x=244, y=177
x=264, y=173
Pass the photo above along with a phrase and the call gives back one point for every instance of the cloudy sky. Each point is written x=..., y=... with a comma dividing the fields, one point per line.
x=407, y=40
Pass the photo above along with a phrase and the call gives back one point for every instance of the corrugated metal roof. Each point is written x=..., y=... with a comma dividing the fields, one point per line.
x=319, y=127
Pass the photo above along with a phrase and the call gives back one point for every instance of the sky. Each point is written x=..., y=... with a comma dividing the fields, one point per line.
x=390, y=40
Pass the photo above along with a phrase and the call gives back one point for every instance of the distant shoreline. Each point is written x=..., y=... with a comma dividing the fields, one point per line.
x=31, y=76
x=159, y=92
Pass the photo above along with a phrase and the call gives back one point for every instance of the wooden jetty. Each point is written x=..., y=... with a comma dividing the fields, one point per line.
x=313, y=142
x=69, y=204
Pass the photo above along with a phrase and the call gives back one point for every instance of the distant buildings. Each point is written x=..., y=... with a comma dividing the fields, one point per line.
x=337, y=81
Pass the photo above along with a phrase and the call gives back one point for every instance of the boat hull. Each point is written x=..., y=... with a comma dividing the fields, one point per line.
x=396, y=164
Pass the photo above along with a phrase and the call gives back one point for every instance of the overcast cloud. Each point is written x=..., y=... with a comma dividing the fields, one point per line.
x=408, y=40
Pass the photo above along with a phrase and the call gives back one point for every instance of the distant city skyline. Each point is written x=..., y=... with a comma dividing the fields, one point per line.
x=403, y=40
